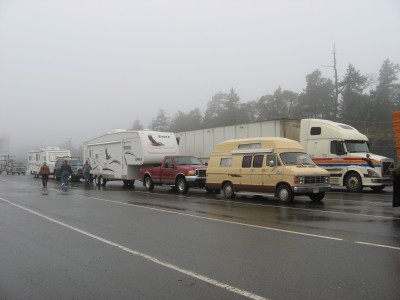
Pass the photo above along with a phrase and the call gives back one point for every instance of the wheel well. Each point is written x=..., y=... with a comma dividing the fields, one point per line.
x=280, y=184
x=227, y=181
x=179, y=176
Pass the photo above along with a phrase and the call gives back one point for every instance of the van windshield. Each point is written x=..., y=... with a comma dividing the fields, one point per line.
x=296, y=158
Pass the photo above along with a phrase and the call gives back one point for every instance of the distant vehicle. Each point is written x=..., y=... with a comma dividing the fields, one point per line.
x=120, y=154
x=16, y=168
x=178, y=171
x=36, y=158
x=76, y=166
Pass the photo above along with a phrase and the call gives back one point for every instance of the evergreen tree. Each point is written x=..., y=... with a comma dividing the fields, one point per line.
x=160, y=122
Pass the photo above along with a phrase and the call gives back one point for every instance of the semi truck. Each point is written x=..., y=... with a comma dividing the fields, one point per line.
x=339, y=148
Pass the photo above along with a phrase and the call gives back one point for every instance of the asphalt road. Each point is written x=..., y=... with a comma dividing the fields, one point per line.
x=115, y=243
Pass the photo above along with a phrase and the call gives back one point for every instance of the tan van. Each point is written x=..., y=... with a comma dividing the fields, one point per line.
x=277, y=166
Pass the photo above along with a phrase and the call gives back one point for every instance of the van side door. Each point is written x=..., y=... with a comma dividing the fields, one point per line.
x=257, y=170
x=272, y=173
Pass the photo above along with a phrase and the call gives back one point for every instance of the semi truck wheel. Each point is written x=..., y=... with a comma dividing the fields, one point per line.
x=148, y=183
x=353, y=183
x=182, y=186
x=284, y=194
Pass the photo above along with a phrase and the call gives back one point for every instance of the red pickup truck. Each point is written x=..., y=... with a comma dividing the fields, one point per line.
x=180, y=172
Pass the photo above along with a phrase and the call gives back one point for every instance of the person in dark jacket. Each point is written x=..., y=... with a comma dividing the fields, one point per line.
x=66, y=171
x=86, y=172
x=44, y=171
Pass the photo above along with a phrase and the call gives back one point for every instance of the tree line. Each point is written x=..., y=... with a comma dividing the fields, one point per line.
x=356, y=99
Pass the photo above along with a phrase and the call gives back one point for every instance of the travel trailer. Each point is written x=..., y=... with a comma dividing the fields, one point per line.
x=49, y=155
x=339, y=148
x=276, y=166
x=118, y=155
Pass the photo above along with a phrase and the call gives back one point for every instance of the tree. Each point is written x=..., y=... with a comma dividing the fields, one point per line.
x=353, y=102
x=136, y=125
x=318, y=99
x=223, y=110
x=160, y=122
x=185, y=122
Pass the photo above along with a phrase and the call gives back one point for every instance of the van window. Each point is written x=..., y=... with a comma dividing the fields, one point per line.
x=225, y=162
x=273, y=158
x=315, y=131
x=246, y=162
x=258, y=161
x=250, y=146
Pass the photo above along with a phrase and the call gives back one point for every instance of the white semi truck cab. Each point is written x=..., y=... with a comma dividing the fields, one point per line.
x=344, y=152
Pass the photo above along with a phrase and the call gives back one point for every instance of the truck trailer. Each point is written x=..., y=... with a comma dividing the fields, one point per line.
x=339, y=148
x=119, y=155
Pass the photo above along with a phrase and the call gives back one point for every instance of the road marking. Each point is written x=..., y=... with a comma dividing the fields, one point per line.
x=378, y=245
x=217, y=220
x=145, y=256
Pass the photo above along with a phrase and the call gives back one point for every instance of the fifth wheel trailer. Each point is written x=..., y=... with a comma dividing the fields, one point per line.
x=339, y=148
x=118, y=155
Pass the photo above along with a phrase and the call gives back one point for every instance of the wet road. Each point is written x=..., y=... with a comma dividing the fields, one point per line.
x=103, y=243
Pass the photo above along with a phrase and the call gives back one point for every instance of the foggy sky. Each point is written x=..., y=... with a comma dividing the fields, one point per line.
x=74, y=69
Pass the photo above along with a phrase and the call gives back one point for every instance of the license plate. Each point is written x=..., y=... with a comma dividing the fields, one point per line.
x=315, y=191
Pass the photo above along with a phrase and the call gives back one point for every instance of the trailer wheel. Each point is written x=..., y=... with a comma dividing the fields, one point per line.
x=98, y=180
x=148, y=183
x=353, y=183
x=228, y=191
x=103, y=181
x=182, y=186
x=284, y=194
x=317, y=197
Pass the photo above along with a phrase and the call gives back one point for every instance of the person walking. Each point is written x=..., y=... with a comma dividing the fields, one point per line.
x=86, y=172
x=66, y=171
x=44, y=171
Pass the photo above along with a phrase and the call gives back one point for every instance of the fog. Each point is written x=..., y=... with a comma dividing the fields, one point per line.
x=71, y=70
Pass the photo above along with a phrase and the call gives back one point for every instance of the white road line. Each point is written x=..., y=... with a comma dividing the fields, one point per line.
x=217, y=220
x=146, y=257
x=378, y=245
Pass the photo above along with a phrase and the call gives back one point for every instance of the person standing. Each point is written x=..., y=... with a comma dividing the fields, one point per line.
x=86, y=172
x=44, y=171
x=66, y=171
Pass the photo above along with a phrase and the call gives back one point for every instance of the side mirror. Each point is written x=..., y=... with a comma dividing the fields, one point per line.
x=271, y=163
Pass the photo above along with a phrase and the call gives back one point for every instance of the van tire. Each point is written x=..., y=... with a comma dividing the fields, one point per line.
x=284, y=194
x=182, y=186
x=353, y=182
x=148, y=183
x=317, y=197
x=228, y=191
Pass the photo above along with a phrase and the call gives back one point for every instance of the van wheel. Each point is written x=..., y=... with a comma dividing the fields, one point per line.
x=353, y=183
x=148, y=183
x=284, y=194
x=228, y=191
x=317, y=197
x=182, y=186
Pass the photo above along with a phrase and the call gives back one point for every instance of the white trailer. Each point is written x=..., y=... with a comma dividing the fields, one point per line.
x=119, y=155
x=49, y=155
x=336, y=147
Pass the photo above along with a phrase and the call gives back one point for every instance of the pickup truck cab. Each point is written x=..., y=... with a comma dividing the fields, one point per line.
x=180, y=172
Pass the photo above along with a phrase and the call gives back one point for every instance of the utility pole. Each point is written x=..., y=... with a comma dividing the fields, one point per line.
x=336, y=100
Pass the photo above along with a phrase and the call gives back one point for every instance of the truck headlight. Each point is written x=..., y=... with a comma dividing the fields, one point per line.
x=192, y=173
x=299, y=179
x=372, y=173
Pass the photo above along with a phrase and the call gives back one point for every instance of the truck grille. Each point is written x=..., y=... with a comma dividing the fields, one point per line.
x=387, y=168
x=201, y=172
x=314, y=179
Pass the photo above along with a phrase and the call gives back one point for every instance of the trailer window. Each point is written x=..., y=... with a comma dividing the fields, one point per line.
x=127, y=145
x=225, y=162
x=258, y=161
x=246, y=162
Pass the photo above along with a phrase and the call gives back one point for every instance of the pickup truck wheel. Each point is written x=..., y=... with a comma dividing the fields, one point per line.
x=317, y=197
x=182, y=186
x=353, y=183
x=228, y=191
x=284, y=194
x=148, y=183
